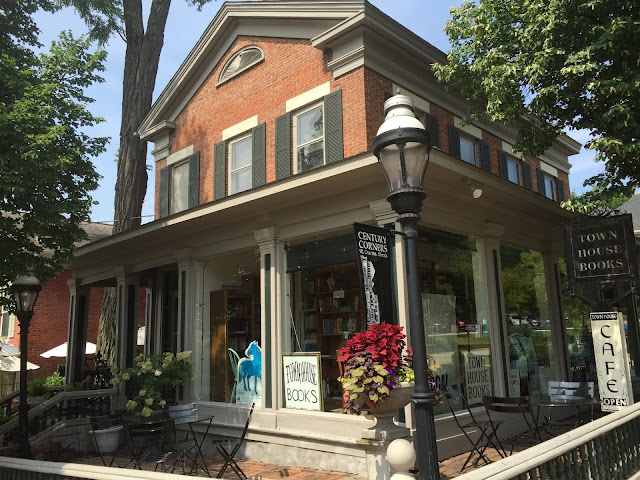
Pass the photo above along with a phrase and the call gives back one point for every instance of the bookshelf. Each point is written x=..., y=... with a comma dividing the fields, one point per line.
x=331, y=312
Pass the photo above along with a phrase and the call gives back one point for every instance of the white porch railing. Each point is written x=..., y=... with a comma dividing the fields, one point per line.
x=605, y=449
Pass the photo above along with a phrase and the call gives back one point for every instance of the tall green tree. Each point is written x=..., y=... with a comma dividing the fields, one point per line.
x=125, y=19
x=595, y=198
x=548, y=65
x=45, y=153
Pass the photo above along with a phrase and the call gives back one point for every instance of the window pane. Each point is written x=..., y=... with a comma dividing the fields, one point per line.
x=548, y=187
x=528, y=321
x=467, y=151
x=309, y=125
x=456, y=313
x=241, y=153
x=241, y=180
x=5, y=324
x=179, y=187
x=512, y=170
x=310, y=156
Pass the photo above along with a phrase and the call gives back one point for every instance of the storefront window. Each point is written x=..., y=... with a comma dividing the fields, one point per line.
x=454, y=300
x=235, y=368
x=528, y=321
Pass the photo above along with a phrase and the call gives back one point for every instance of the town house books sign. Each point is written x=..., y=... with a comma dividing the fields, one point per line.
x=600, y=249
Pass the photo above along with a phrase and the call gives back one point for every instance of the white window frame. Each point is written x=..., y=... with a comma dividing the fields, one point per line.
x=11, y=318
x=176, y=165
x=517, y=163
x=230, y=171
x=294, y=121
x=474, y=142
x=550, y=189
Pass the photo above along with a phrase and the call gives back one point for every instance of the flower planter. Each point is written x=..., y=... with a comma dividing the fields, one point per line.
x=107, y=440
x=384, y=410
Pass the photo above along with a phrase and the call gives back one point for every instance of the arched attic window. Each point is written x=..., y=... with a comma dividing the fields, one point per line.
x=241, y=61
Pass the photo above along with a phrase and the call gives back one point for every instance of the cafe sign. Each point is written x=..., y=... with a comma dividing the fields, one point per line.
x=612, y=365
x=601, y=249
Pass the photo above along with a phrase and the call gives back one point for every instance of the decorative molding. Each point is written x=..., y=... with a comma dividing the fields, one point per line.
x=179, y=155
x=545, y=167
x=308, y=97
x=240, y=127
x=468, y=129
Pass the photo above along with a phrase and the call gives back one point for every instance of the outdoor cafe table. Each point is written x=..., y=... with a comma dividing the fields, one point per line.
x=191, y=421
x=544, y=403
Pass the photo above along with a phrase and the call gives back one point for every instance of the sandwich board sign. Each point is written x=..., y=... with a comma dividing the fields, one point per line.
x=612, y=364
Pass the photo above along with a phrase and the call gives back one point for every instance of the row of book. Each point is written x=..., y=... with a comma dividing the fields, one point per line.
x=339, y=325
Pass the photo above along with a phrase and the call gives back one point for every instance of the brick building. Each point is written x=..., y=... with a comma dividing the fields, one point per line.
x=263, y=149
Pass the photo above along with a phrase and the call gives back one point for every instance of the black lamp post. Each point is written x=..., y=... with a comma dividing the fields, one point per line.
x=25, y=292
x=402, y=146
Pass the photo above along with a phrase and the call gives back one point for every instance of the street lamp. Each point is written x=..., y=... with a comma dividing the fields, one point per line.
x=402, y=146
x=25, y=290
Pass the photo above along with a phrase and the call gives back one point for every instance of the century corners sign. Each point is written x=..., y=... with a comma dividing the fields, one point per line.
x=302, y=377
x=599, y=249
x=612, y=365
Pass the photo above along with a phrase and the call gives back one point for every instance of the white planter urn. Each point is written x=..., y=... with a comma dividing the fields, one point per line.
x=384, y=410
x=107, y=440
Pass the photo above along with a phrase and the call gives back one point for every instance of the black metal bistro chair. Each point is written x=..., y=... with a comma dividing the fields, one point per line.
x=514, y=409
x=470, y=425
x=187, y=440
x=233, y=445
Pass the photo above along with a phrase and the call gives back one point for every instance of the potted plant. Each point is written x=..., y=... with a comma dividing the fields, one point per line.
x=37, y=391
x=157, y=376
x=377, y=375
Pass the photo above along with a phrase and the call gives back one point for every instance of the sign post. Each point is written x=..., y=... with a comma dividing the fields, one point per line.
x=612, y=363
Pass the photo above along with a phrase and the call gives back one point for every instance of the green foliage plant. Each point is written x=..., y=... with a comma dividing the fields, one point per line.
x=45, y=150
x=546, y=66
x=375, y=362
x=54, y=380
x=159, y=373
x=37, y=387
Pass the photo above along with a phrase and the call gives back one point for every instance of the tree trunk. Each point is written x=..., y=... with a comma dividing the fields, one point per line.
x=107, y=327
x=140, y=71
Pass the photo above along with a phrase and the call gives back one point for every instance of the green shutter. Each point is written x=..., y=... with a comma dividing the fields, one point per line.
x=259, y=149
x=163, y=196
x=194, y=180
x=219, y=170
x=560, y=184
x=454, y=141
x=503, y=169
x=485, y=156
x=433, y=127
x=283, y=146
x=333, y=143
x=541, y=190
x=526, y=173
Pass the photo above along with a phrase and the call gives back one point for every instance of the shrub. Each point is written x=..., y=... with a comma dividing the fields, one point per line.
x=37, y=387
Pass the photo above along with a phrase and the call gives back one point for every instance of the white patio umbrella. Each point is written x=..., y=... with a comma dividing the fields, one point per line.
x=141, y=333
x=61, y=350
x=11, y=363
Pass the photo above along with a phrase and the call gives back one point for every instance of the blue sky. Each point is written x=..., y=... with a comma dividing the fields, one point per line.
x=184, y=26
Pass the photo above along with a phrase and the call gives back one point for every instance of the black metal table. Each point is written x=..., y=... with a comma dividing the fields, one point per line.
x=191, y=421
x=545, y=403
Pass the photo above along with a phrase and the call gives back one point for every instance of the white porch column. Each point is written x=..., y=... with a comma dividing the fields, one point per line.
x=76, y=331
x=489, y=263
x=271, y=264
x=127, y=314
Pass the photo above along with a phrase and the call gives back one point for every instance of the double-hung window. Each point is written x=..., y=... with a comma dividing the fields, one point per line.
x=179, y=182
x=549, y=187
x=468, y=146
x=467, y=150
x=7, y=322
x=308, y=132
x=515, y=170
x=240, y=171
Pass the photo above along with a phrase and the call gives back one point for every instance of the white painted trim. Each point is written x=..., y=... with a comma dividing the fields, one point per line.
x=507, y=147
x=239, y=128
x=418, y=102
x=548, y=169
x=179, y=155
x=309, y=96
x=468, y=129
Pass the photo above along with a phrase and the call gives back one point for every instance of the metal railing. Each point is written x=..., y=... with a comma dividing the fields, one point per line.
x=605, y=449
x=58, y=409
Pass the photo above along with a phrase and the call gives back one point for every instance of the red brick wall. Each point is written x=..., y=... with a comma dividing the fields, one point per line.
x=291, y=67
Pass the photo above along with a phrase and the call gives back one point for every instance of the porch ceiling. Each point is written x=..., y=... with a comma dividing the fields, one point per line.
x=342, y=190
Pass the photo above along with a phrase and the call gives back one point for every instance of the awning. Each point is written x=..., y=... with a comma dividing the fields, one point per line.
x=61, y=350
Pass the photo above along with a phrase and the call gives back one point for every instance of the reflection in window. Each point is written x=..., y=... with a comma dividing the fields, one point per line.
x=455, y=304
x=467, y=150
x=528, y=321
x=240, y=172
x=180, y=187
x=309, y=136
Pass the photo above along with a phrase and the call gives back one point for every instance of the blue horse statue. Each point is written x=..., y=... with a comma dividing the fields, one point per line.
x=251, y=366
